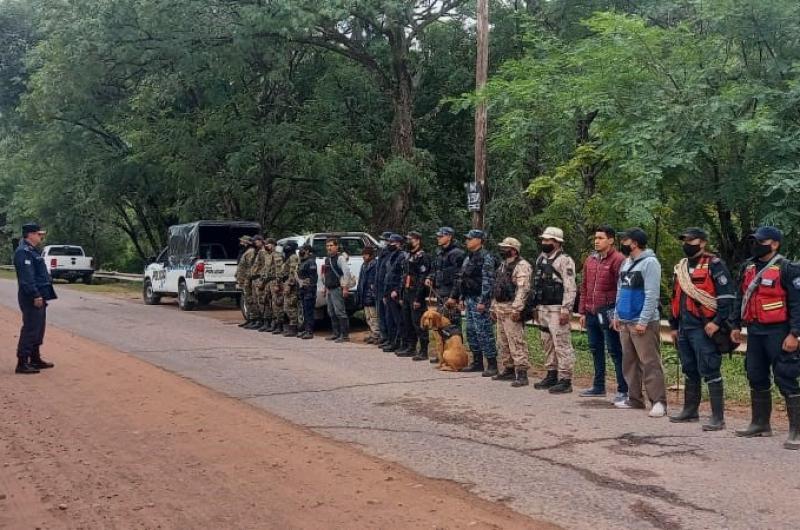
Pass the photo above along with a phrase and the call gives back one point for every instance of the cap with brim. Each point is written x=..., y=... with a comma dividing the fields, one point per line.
x=475, y=234
x=511, y=242
x=693, y=233
x=30, y=228
x=551, y=232
x=445, y=231
x=385, y=236
x=768, y=232
x=396, y=238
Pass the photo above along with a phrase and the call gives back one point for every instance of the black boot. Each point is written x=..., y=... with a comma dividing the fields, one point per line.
x=344, y=327
x=291, y=331
x=549, y=380
x=407, y=348
x=335, y=329
x=393, y=346
x=761, y=406
x=793, y=410
x=491, y=368
x=691, y=401
x=563, y=386
x=521, y=378
x=422, y=354
x=277, y=329
x=40, y=364
x=266, y=326
x=254, y=324
x=716, y=395
x=245, y=323
x=24, y=367
x=508, y=374
x=476, y=365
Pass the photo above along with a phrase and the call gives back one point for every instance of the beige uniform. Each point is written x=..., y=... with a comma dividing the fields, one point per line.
x=511, y=345
x=557, y=338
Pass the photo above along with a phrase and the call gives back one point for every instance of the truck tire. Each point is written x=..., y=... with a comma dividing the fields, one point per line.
x=148, y=294
x=185, y=301
x=87, y=279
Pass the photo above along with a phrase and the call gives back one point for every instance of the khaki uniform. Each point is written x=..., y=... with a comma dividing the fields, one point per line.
x=259, y=270
x=290, y=301
x=556, y=338
x=511, y=345
x=275, y=285
x=245, y=281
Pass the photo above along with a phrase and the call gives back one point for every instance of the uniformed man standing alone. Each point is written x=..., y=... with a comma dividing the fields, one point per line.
x=702, y=298
x=510, y=291
x=243, y=279
x=35, y=290
x=768, y=304
x=554, y=295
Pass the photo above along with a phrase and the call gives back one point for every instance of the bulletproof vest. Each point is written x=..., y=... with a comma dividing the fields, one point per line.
x=446, y=269
x=414, y=270
x=472, y=273
x=548, y=286
x=504, y=287
x=332, y=273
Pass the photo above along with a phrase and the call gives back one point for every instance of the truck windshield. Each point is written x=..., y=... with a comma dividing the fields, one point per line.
x=65, y=251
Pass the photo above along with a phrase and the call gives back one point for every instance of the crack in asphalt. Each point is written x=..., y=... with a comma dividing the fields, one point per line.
x=348, y=387
x=603, y=481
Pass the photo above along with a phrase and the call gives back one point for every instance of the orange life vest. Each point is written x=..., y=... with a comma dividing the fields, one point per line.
x=768, y=304
x=703, y=280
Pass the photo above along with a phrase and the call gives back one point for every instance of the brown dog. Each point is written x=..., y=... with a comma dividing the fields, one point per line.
x=452, y=355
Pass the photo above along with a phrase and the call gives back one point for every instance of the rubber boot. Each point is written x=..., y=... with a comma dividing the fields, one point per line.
x=344, y=327
x=793, y=410
x=38, y=363
x=491, y=367
x=24, y=367
x=508, y=374
x=422, y=354
x=563, y=386
x=335, y=329
x=254, y=324
x=266, y=326
x=716, y=395
x=549, y=380
x=521, y=378
x=691, y=401
x=245, y=323
x=406, y=349
x=393, y=346
x=476, y=365
x=761, y=406
x=277, y=329
x=290, y=331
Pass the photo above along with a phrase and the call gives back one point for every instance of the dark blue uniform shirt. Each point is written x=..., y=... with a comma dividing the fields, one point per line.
x=32, y=276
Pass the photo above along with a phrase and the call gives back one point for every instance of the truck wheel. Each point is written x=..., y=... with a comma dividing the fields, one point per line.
x=185, y=301
x=88, y=279
x=148, y=294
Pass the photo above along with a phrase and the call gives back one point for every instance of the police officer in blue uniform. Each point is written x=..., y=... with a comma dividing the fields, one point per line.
x=35, y=290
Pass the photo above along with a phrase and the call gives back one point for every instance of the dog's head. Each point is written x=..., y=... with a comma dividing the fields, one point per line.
x=432, y=319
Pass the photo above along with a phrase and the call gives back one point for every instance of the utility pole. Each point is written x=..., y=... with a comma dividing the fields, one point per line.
x=481, y=74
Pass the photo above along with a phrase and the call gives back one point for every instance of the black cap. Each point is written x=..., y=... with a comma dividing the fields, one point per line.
x=307, y=248
x=29, y=228
x=475, y=234
x=768, y=232
x=635, y=234
x=445, y=231
x=291, y=244
x=396, y=238
x=693, y=233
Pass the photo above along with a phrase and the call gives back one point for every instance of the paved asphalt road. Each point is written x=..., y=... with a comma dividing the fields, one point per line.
x=571, y=461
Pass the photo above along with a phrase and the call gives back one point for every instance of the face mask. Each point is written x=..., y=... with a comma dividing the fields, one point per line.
x=690, y=250
x=625, y=249
x=505, y=253
x=759, y=251
x=547, y=248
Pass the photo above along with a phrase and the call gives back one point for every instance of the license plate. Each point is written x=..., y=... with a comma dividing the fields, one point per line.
x=220, y=287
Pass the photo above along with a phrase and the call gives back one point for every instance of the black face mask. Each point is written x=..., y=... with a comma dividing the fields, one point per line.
x=759, y=251
x=505, y=253
x=690, y=250
x=547, y=248
x=625, y=249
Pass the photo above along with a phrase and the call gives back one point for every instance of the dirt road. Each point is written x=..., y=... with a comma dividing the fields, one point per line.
x=575, y=462
x=108, y=441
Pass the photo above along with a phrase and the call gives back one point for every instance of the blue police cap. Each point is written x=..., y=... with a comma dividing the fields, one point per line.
x=396, y=238
x=475, y=234
x=385, y=236
x=29, y=228
x=445, y=231
x=768, y=232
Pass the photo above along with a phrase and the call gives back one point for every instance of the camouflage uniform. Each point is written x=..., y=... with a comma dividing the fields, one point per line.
x=245, y=281
x=557, y=338
x=258, y=271
x=275, y=285
x=290, y=300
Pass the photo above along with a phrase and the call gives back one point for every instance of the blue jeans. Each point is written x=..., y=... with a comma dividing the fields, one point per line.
x=480, y=330
x=600, y=336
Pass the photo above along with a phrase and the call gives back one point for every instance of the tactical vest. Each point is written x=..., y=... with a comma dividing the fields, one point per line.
x=445, y=268
x=472, y=274
x=768, y=304
x=332, y=273
x=504, y=287
x=548, y=285
x=414, y=270
x=703, y=280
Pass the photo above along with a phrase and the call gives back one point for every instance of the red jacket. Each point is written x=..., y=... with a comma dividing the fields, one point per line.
x=599, y=282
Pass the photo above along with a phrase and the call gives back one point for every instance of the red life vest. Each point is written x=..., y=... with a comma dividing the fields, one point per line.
x=703, y=280
x=768, y=303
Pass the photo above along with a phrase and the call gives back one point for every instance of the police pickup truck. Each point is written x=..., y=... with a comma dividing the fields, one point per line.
x=351, y=243
x=198, y=265
x=68, y=262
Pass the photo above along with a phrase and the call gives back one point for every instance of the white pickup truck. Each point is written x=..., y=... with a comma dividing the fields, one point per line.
x=199, y=263
x=68, y=262
x=351, y=243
